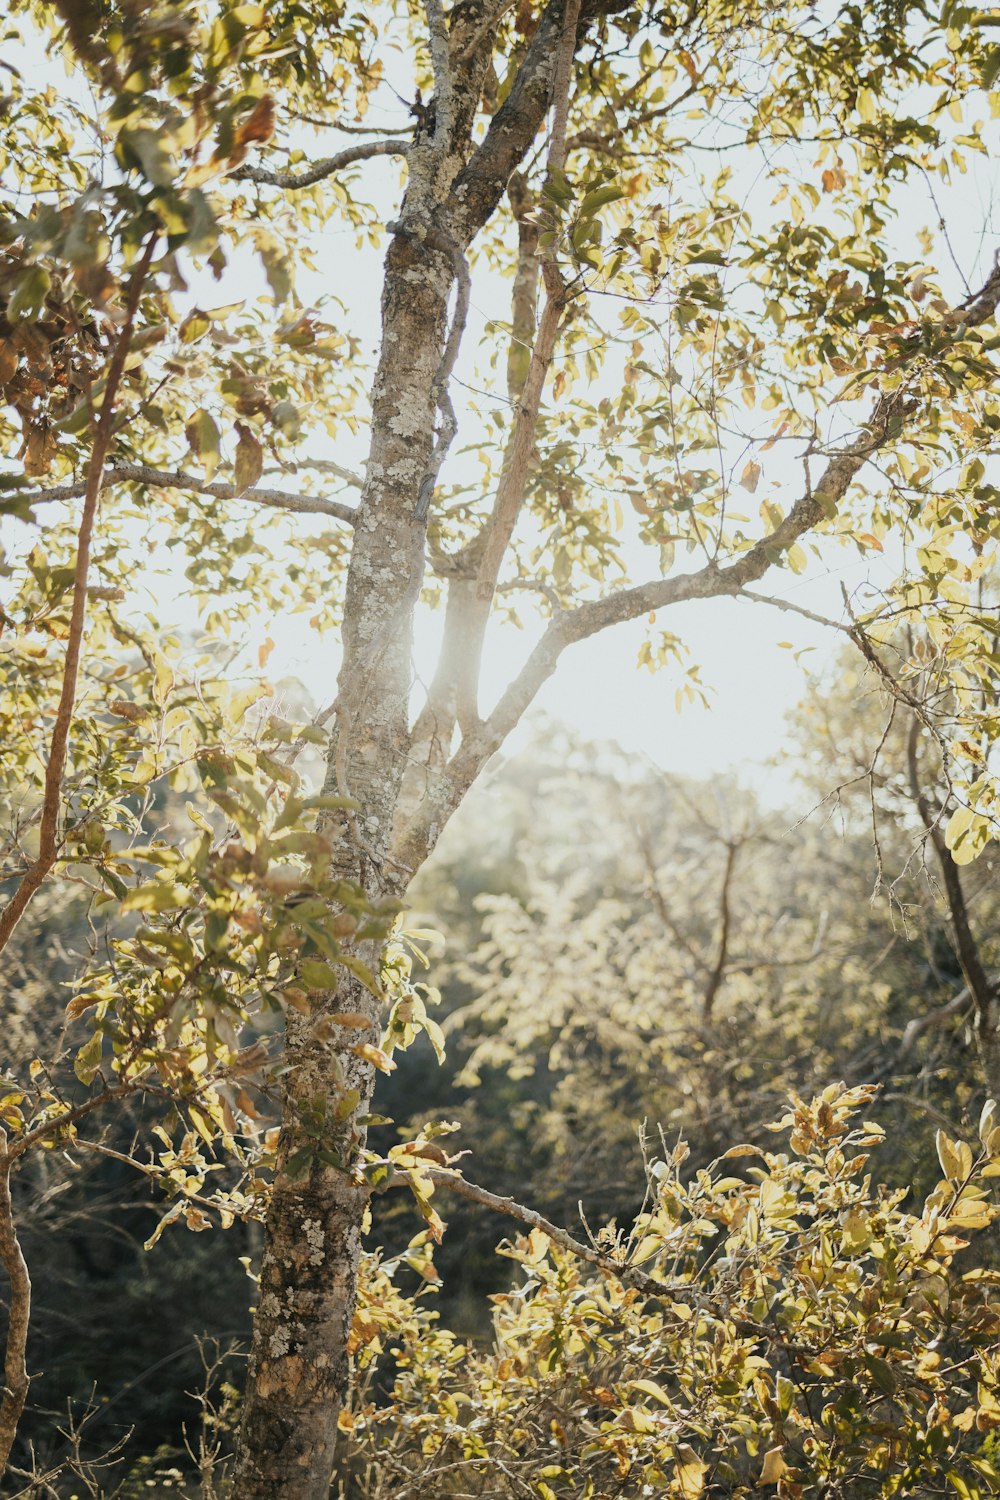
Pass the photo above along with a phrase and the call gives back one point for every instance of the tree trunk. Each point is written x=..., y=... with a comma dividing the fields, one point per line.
x=298, y=1365
x=299, y=1358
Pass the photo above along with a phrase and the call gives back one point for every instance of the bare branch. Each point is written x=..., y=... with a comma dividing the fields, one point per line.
x=796, y=609
x=346, y=129
x=327, y=466
x=448, y=426
x=364, y=151
x=178, y=479
x=720, y=968
x=561, y=86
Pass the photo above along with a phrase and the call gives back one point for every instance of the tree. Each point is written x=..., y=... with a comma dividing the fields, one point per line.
x=614, y=902
x=564, y=145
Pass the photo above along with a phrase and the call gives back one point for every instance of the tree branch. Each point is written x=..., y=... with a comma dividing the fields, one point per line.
x=719, y=969
x=480, y=185
x=48, y=842
x=178, y=479
x=978, y=983
x=797, y=609
x=629, y=1275
x=320, y=169
x=444, y=85
x=561, y=87
x=15, y=1368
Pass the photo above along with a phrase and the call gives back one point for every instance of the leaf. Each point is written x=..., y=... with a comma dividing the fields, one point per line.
x=598, y=198
x=286, y=416
x=774, y=1467
x=257, y=128
x=146, y=149
x=317, y=975
x=867, y=106
x=27, y=301
x=249, y=460
x=203, y=439
x=750, y=478
x=374, y=1055
x=79, y=1004
x=88, y=1059
x=156, y=895
x=948, y=1156
x=654, y=1391
x=689, y=1475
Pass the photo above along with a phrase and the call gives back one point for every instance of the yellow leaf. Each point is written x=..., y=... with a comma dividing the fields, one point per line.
x=774, y=1467
x=867, y=105
x=689, y=1475
x=651, y=1389
x=375, y=1056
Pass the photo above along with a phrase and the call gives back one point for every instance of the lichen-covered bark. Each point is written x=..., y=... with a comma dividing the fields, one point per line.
x=298, y=1367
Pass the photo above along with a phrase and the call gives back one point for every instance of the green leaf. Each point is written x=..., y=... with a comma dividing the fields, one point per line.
x=145, y=149
x=30, y=291
x=88, y=1059
x=203, y=439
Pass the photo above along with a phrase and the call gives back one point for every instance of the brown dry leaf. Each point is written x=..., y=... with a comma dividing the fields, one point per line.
x=39, y=451
x=750, y=478
x=298, y=1000
x=246, y=1106
x=79, y=1004
x=258, y=127
x=249, y=460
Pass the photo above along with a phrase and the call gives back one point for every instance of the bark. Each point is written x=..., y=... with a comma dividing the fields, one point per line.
x=298, y=1367
x=978, y=984
x=15, y=1369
